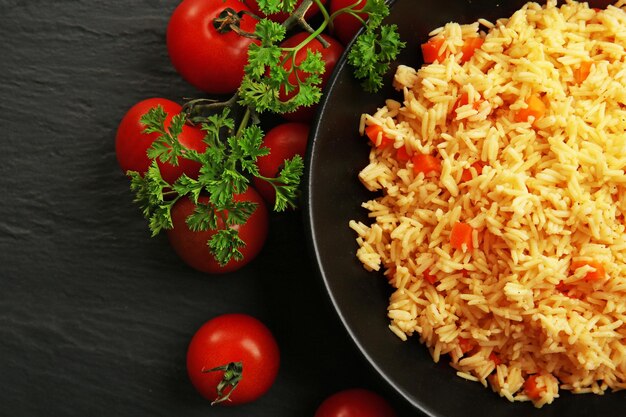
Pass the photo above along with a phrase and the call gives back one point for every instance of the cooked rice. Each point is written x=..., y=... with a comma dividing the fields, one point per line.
x=552, y=191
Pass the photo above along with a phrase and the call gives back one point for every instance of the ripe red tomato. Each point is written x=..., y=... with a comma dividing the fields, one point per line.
x=209, y=60
x=282, y=16
x=330, y=56
x=345, y=26
x=355, y=403
x=284, y=141
x=192, y=248
x=227, y=339
x=131, y=143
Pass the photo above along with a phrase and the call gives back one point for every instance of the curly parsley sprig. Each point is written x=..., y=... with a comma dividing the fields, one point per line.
x=266, y=74
x=227, y=165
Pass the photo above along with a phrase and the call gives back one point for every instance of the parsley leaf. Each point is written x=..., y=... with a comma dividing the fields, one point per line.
x=227, y=165
x=202, y=218
x=266, y=82
x=149, y=194
x=372, y=54
x=275, y=6
x=166, y=148
x=225, y=245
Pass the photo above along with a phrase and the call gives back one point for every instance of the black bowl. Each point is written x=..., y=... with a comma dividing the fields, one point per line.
x=333, y=198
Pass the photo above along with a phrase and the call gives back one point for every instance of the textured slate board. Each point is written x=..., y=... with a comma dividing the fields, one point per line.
x=95, y=315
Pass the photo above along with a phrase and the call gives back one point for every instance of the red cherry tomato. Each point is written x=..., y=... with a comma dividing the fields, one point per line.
x=284, y=142
x=209, y=60
x=355, y=403
x=282, y=16
x=232, y=339
x=192, y=248
x=330, y=56
x=345, y=26
x=131, y=144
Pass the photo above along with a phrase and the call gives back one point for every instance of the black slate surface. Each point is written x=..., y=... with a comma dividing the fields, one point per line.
x=95, y=315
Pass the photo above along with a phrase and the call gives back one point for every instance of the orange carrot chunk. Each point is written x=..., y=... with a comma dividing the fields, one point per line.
x=563, y=287
x=581, y=73
x=532, y=389
x=467, y=173
x=430, y=278
x=535, y=108
x=430, y=50
x=461, y=235
x=373, y=132
x=463, y=100
x=591, y=276
x=495, y=359
x=425, y=163
x=465, y=344
x=470, y=45
x=402, y=155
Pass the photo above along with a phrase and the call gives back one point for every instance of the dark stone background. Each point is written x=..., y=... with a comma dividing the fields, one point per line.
x=95, y=315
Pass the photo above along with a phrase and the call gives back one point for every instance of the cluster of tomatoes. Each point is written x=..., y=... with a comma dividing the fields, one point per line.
x=214, y=62
x=234, y=350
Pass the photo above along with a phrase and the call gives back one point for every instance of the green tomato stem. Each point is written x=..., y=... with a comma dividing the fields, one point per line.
x=297, y=17
x=232, y=376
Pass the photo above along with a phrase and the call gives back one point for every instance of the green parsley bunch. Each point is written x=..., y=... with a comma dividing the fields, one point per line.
x=235, y=143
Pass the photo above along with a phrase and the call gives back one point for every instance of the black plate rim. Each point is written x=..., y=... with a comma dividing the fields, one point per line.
x=308, y=216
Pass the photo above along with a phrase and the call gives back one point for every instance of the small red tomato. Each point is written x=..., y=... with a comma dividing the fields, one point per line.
x=235, y=349
x=131, y=143
x=330, y=56
x=355, y=403
x=282, y=16
x=209, y=60
x=284, y=142
x=345, y=25
x=192, y=248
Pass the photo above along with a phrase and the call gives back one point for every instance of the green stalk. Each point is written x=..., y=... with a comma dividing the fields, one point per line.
x=298, y=18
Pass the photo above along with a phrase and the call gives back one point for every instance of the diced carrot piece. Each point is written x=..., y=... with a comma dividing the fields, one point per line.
x=532, y=389
x=569, y=290
x=465, y=344
x=469, y=47
x=535, y=108
x=430, y=278
x=467, y=173
x=373, y=132
x=582, y=72
x=425, y=163
x=563, y=287
x=494, y=358
x=461, y=235
x=463, y=100
x=402, y=155
x=430, y=50
x=591, y=276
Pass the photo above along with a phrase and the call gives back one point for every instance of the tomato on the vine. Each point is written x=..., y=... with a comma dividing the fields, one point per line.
x=355, y=402
x=345, y=26
x=282, y=16
x=284, y=142
x=131, y=143
x=209, y=60
x=191, y=246
x=330, y=56
x=233, y=351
